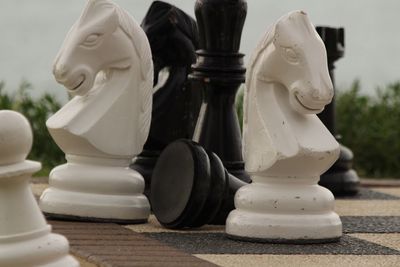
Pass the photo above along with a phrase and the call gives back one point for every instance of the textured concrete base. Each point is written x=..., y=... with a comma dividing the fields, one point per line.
x=114, y=245
x=368, y=194
x=234, y=260
x=218, y=243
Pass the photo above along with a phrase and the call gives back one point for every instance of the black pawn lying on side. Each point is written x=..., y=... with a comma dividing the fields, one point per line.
x=190, y=186
x=173, y=38
x=341, y=179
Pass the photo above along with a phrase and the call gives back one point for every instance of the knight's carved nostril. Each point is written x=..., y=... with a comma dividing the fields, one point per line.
x=321, y=95
x=315, y=93
x=59, y=71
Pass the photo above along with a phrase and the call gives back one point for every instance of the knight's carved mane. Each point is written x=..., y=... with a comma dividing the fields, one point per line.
x=143, y=52
x=254, y=59
x=261, y=46
x=254, y=162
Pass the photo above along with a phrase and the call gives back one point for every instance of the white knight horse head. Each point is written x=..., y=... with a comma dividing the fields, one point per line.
x=287, y=83
x=102, y=39
x=105, y=61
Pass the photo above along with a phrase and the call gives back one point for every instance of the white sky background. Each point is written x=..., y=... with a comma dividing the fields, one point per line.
x=32, y=31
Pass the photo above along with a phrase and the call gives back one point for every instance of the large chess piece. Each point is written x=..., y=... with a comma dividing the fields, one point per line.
x=105, y=62
x=173, y=39
x=25, y=237
x=219, y=70
x=190, y=186
x=286, y=147
x=341, y=179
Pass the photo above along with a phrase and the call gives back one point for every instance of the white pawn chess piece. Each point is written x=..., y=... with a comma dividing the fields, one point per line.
x=286, y=147
x=25, y=237
x=106, y=63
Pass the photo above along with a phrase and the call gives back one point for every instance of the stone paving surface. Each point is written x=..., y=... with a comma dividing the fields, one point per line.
x=371, y=224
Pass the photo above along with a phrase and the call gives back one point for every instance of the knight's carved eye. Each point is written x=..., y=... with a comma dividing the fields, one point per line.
x=92, y=39
x=290, y=55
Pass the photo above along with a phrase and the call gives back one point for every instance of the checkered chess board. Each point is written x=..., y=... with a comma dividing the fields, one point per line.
x=371, y=225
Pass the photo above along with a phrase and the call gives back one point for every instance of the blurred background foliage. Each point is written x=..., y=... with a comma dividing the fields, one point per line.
x=369, y=125
x=37, y=111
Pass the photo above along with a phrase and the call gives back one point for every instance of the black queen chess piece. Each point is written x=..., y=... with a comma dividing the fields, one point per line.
x=219, y=71
x=190, y=186
x=173, y=39
x=341, y=179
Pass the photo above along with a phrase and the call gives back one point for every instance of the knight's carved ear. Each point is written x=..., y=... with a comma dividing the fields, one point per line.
x=111, y=21
x=101, y=15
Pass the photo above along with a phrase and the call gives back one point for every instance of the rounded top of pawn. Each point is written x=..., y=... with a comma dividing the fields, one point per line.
x=15, y=137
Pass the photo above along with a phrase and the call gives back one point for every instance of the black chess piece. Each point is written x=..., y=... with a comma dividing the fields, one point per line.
x=190, y=186
x=341, y=179
x=219, y=71
x=173, y=38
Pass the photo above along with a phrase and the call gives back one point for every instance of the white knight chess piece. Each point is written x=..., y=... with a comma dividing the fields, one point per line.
x=286, y=147
x=25, y=237
x=106, y=63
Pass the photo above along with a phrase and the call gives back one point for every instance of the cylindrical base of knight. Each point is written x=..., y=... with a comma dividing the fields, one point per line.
x=95, y=189
x=284, y=210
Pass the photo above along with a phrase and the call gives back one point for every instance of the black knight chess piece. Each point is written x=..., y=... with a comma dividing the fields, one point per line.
x=190, y=186
x=219, y=71
x=341, y=179
x=173, y=38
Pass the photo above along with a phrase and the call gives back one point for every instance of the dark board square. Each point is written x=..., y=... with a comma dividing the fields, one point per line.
x=218, y=243
x=369, y=194
x=371, y=224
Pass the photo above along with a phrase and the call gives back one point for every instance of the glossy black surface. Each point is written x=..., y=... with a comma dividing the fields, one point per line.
x=219, y=72
x=173, y=38
x=341, y=179
x=190, y=187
